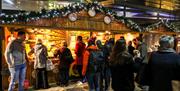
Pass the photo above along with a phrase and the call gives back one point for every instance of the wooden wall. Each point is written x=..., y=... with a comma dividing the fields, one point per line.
x=1, y=38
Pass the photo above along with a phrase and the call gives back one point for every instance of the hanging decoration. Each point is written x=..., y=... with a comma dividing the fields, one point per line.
x=107, y=19
x=92, y=12
x=171, y=27
x=72, y=17
x=70, y=10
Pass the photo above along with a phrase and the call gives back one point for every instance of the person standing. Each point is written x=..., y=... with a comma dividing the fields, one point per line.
x=40, y=63
x=142, y=59
x=66, y=59
x=105, y=73
x=122, y=67
x=16, y=58
x=92, y=60
x=130, y=48
x=142, y=47
x=79, y=51
x=163, y=66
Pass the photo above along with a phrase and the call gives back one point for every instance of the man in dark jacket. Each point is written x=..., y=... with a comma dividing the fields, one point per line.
x=105, y=73
x=163, y=66
x=66, y=59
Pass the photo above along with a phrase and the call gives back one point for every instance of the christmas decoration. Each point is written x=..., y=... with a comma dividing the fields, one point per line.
x=71, y=11
x=107, y=19
x=72, y=17
x=171, y=27
x=92, y=12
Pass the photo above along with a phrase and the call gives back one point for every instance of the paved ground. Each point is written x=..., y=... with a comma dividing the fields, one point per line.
x=78, y=86
x=74, y=86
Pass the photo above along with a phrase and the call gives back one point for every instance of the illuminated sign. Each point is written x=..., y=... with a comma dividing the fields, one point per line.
x=57, y=5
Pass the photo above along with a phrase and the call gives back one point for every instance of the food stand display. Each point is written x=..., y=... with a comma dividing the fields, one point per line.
x=67, y=27
x=155, y=31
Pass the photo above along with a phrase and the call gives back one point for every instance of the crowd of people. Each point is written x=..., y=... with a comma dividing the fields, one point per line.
x=100, y=65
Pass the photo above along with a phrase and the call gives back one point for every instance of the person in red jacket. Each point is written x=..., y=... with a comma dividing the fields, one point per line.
x=79, y=51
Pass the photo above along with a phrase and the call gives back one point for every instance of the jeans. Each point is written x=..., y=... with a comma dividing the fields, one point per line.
x=93, y=81
x=17, y=73
x=105, y=78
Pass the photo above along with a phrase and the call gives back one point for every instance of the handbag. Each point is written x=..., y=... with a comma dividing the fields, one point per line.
x=49, y=65
x=33, y=74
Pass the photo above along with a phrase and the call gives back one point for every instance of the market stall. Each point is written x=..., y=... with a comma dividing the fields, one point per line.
x=155, y=31
x=65, y=24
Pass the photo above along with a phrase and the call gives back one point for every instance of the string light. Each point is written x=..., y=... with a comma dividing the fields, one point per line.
x=75, y=8
x=171, y=27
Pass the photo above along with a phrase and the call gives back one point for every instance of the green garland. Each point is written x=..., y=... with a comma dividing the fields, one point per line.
x=171, y=27
x=73, y=8
x=77, y=7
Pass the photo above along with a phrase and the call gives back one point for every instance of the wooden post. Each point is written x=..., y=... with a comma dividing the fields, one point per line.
x=0, y=47
x=1, y=38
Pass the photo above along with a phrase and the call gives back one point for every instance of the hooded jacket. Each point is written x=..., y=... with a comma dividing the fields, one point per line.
x=15, y=53
x=41, y=56
x=86, y=58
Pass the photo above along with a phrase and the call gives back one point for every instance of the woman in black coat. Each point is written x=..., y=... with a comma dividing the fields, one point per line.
x=121, y=64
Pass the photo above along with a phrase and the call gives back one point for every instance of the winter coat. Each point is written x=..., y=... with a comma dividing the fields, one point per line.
x=131, y=49
x=65, y=57
x=122, y=73
x=79, y=51
x=86, y=58
x=144, y=53
x=163, y=67
x=41, y=56
x=15, y=53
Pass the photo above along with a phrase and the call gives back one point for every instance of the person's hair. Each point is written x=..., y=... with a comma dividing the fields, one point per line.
x=166, y=42
x=130, y=43
x=99, y=43
x=91, y=42
x=122, y=37
x=64, y=43
x=79, y=38
x=118, y=49
x=21, y=32
x=119, y=46
x=38, y=40
x=111, y=41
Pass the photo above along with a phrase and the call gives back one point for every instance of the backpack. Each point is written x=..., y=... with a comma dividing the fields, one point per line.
x=96, y=58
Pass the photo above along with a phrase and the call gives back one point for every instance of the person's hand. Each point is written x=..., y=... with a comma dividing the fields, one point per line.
x=35, y=68
x=10, y=66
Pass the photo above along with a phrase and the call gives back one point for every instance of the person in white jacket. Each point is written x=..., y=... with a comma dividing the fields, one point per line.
x=40, y=64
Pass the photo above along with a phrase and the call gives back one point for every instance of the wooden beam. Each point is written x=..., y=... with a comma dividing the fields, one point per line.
x=1, y=57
